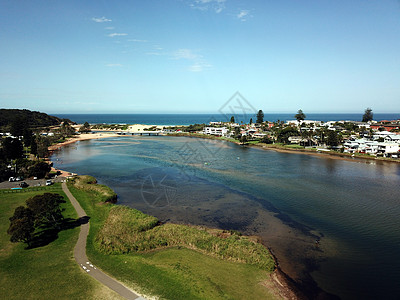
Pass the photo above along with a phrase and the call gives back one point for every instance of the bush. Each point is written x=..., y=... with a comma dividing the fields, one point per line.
x=39, y=169
x=129, y=230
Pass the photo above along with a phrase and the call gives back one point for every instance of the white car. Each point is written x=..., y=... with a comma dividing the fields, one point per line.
x=49, y=182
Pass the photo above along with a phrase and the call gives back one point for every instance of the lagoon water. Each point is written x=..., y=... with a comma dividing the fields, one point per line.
x=289, y=200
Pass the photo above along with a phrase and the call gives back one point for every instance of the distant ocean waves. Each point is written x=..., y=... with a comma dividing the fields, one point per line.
x=187, y=119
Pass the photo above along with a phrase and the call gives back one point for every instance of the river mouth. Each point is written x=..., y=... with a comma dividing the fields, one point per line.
x=290, y=201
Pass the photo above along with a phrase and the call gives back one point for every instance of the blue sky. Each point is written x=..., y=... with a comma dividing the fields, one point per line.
x=191, y=56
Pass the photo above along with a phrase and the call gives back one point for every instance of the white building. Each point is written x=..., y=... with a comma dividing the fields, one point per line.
x=388, y=149
x=218, y=131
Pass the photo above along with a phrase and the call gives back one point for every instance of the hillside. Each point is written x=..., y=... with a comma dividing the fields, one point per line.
x=31, y=119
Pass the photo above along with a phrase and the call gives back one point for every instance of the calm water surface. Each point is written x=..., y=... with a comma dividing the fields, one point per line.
x=289, y=200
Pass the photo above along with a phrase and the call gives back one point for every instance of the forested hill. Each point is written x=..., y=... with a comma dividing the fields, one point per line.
x=30, y=119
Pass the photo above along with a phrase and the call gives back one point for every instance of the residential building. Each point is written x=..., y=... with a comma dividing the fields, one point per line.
x=217, y=131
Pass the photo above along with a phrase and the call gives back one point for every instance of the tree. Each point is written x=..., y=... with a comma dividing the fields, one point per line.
x=284, y=134
x=260, y=117
x=232, y=119
x=27, y=137
x=300, y=116
x=21, y=225
x=42, y=146
x=12, y=148
x=85, y=128
x=66, y=129
x=46, y=209
x=17, y=126
x=251, y=121
x=332, y=138
x=243, y=139
x=266, y=140
x=34, y=146
x=39, y=169
x=368, y=115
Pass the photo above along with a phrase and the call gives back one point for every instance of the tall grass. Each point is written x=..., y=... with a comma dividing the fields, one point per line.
x=129, y=230
x=185, y=271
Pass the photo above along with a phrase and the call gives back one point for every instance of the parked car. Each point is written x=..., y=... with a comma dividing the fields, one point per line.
x=11, y=179
x=19, y=178
x=49, y=182
x=23, y=184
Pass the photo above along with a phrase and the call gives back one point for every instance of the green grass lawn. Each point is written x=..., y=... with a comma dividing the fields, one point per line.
x=47, y=272
x=175, y=272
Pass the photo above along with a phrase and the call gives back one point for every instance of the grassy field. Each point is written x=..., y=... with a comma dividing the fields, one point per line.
x=171, y=273
x=46, y=272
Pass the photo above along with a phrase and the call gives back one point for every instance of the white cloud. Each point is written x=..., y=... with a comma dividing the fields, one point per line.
x=109, y=28
x=137, y=41
x=185, y=54
x=117, y=34
x=113, y=65
x=101, y=20
x=243, y=15
x=216, y=5
x=199, y=67
x=198, y=63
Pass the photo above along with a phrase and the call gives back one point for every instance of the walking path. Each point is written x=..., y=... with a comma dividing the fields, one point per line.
x=82, y=260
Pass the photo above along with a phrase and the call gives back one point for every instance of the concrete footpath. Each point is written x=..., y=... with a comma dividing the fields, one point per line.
x=82, y=260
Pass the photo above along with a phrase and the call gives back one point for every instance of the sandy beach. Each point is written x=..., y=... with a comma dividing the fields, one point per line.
x=83, y=137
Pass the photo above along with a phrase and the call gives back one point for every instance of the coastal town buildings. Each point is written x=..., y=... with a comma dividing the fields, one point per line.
x=352, y=137
x=217, y=131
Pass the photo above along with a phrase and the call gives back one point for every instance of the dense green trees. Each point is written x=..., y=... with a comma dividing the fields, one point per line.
x=23, y=118
x=66, y=130
x=21, y=225
x=266, y=140
x=194, y=127
x=42, y=211
x=333, y=138
x=46, y=209
x=39, y=169
x=85, y=128
x=282, y=135
x=12, y=148
x=42, y=144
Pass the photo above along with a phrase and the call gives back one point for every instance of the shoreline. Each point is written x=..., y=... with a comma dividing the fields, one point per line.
x=81, y=137
x=304, y=151
x=287, y=287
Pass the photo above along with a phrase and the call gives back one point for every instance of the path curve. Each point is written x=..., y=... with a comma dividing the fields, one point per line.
x=82, y=260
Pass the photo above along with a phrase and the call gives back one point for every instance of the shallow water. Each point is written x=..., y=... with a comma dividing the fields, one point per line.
x=289, y=200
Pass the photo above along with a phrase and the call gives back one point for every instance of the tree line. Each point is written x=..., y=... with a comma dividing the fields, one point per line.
x=41, y=212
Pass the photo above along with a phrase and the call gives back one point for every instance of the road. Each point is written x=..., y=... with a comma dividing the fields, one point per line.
x=82, y=260
x=30, y=182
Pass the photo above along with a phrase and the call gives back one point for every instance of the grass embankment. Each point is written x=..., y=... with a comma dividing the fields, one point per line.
x=171, y=261
x=46, y=272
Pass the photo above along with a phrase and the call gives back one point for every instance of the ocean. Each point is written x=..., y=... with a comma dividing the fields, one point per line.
x=187, y=119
